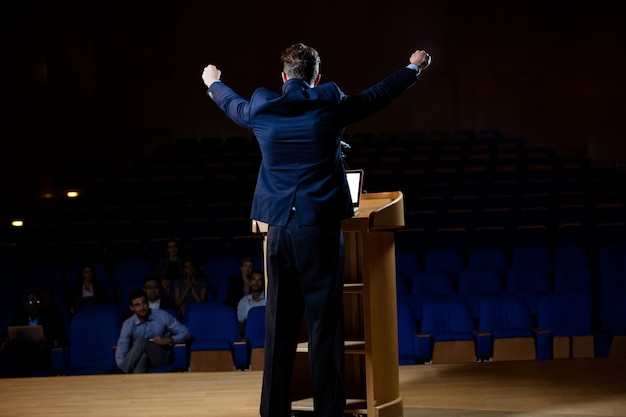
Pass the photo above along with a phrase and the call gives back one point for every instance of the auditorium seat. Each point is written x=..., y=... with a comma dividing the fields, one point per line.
x=568, y=278
x=493, y=258
x=611, y=339
x=476, y=284
x=214, y=329
x=564, y=326
x=532, y=256
x=428, y=285
x=505, y=330
x=254, y=346
x=93, y=332
x=529, y=284
x=446, y=333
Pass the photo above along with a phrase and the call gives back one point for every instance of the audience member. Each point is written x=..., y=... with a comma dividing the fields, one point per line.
x=239, y=285
x=88, y=289
x=170, y=267
x=23, y=356
x=189, y=289
x=147, y=337
x=254, y=299
x=156, y=298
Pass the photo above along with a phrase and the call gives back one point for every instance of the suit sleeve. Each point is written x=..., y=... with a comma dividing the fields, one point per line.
x=376, y=97
x=236, y=107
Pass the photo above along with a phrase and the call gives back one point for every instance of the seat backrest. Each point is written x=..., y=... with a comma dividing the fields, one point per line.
x=94, y=330
x=407, y=328
x=565, y=314
x=613, y=279
x=447, y=260
x=211, y=321
x=528, y=279
x=255, y=326
x=431, y=283
x=504, y=312
x=613, y=313
x=479, y=281
x=532, y=256
x=571, y=254
x=444, y=316
x=488, y=257
x=572, y=278
x=129, y=270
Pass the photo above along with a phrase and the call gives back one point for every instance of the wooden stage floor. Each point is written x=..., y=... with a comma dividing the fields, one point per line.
x=576, y=387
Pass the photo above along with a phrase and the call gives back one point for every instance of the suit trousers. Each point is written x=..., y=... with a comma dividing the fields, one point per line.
x=142, y=354
x=305, y=268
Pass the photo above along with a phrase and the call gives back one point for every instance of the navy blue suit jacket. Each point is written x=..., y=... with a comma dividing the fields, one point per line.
x=299, y=133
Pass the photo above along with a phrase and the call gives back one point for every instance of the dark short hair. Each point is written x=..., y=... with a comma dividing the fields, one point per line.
x=135, y=293
x=151, y=278
x=244, y=260
x=301, y=61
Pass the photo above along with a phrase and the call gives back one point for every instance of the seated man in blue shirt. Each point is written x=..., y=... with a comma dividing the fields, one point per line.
x=147, y=336
x=254, y=299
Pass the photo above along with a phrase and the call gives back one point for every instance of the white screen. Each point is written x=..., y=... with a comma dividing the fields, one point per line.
x=354, y=183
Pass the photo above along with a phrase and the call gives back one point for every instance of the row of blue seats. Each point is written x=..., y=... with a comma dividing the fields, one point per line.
x=94, y=331
x=505, y=329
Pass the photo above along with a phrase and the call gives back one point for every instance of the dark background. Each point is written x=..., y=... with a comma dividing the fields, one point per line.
x=89, y=85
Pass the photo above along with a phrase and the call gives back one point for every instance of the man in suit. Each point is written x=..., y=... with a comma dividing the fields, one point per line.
x=302, y=194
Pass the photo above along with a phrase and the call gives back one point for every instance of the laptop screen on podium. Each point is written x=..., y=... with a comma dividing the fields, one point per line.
x=355, y=184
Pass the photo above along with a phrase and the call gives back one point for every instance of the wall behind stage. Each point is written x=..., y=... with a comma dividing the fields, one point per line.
x=90, y=87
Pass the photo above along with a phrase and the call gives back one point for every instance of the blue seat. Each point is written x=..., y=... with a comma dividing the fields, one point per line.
x=446, y=260
x=129, y=270
x=218, y=270
x=613, y=280
x=406, y=265
x=564, y=328
x=428, y=285
x=446, y=333
x=529, y=284
x=611, y=339
x=611, y=255
x=250, y=353
x=94, y=331
x=505, y=330
x=407, y=331
x=572, y=278
x=532, y=256
x=571, y=254
x=214, y=329
x=476, y=284
x=494, y=258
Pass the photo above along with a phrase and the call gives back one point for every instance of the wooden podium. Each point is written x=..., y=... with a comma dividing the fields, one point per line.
x=371, y=346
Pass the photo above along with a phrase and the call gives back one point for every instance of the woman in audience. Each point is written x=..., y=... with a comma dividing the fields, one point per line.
x=88, y=289
x=189, y=289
